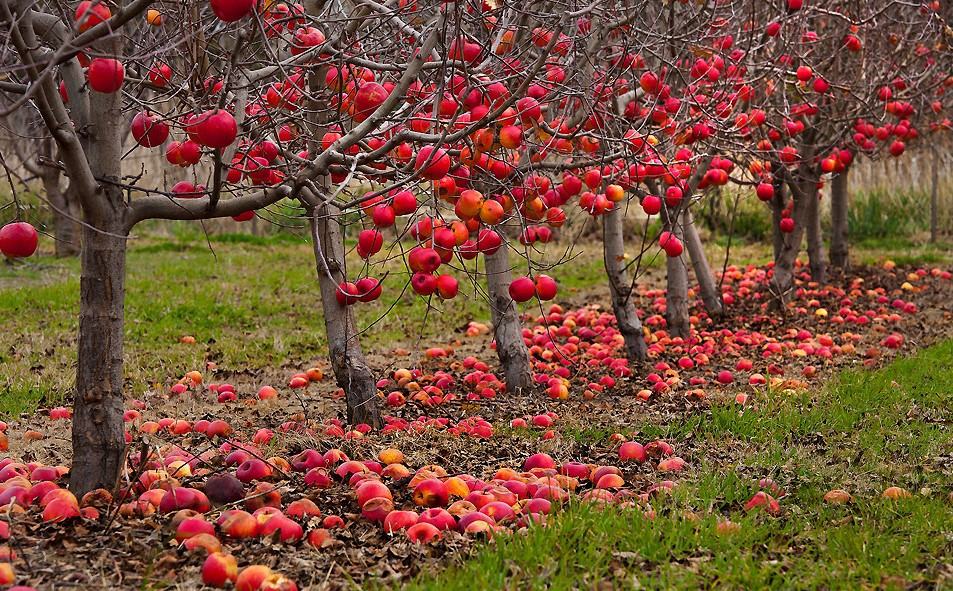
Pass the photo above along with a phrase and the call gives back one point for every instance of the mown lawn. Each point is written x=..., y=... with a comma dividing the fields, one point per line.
x=863, y=432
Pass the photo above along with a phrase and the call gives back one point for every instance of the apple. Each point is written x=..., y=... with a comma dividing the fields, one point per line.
x=106, y=75
x=432, y=163
x=149, y=131
x=18, y=239
x=232, y=10
x=215, y=129
x=522, y=289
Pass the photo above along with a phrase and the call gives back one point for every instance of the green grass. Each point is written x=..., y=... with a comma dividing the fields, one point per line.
x=864, y=432
x=251, y=302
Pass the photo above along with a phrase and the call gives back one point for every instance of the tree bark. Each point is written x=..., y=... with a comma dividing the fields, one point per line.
x=98, y=433
x=620, y=287
x=782, y=282
x=65, y=228
x=710, y=294
x=676, y=291
x=347, y=359
x=99, y=443
x=934, y=194
x=64, y=207
x=839, y=227
x=815, y=240
x=777, y=206
x=507, y=331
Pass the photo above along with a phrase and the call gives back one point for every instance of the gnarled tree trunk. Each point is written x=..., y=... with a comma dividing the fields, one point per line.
x=620, y=288
x=510, y=347
x=710, y=294
x=347, y=359
x=839, y=229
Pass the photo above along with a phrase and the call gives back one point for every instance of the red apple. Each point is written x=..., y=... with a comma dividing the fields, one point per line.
x=18, y=239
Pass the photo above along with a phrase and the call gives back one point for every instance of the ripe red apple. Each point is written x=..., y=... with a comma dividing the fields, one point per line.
x=528, y=109
x=539, y=460
x=232, y=10
x=423, y=260
x=369, y=242
x=545, y=287
x=215, y=129
x=432, y=163
x=187, y=190
x=148, y=130
x=897, y=148
x=369, y=97
x=369, y=289
x=632, y=450
x=307, y=459
x=439, y=518
x=522, y=289
x=431, y=493
x=252, y=577
x=219, y=569
x=347, y=294
x=651, y=204
x=287, y=530
x=404, y=203
x=447, y=287
x=89, y=14
x=160, y=74
x=18, y=239
x=303, y=509
x=670, y=243
x=423, y=533
x=105, y=75
x=399, y=520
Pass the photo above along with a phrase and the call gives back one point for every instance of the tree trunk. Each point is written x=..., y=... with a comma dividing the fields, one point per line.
x=347, y=360
x=64, y=205
x=815, y=241
x=839, y=229
x=99, y=443
x=676, y=289
x=711, y=296
x=510, y=347
x=934, y=196
x=620, y=288
x=782, y=282
x=98, y=434
x=65, y=228
x=777, y=206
